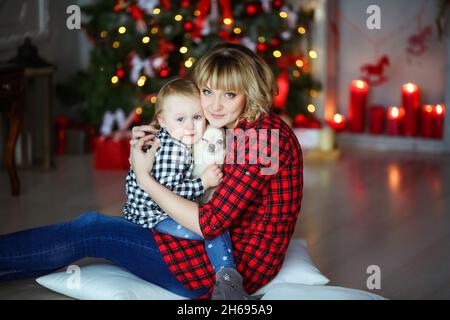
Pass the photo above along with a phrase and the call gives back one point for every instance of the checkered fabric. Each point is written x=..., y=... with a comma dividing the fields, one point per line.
x=260, y=211
x=173, y=169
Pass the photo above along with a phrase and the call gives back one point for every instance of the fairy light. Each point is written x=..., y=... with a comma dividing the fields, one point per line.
x=277, y=53
x=197, y=13
x=237, y=30
x=296, y=73
x=114, y=79
x=141, y=81
x=183, y=49
x=145, y=39
x=153, y=99
x=301, y=30
x=154, y=30
x=188, y=63
x=313, y=93
x=283, y=14
x=227, y=21
x=103, y=34
x=261, y=39
x=116, y=44
x=299, y=63
x=139, y=111
x=178, y=17
x=122, y=30
x=313, y=54
x=311, y=108
x=156, y=11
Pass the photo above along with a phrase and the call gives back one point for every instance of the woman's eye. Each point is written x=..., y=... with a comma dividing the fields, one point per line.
x=179, y=119
x=230, y=95
x=206, y=92
x=197, y=117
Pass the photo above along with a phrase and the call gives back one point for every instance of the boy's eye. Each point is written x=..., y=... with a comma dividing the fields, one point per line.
x=206, y=92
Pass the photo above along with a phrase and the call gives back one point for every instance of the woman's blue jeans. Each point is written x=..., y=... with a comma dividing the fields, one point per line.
x=39, y=251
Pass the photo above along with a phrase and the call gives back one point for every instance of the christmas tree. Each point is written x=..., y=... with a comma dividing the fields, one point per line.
x=139, y=45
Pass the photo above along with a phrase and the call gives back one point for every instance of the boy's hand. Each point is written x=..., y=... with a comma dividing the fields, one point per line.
x=212, y=176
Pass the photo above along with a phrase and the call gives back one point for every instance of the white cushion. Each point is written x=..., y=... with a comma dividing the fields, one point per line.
x=105, y=282
x=295, y=291
x=297, y=268
x=110, y=282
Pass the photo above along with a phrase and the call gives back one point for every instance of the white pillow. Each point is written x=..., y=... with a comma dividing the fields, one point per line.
x=295, y=291
x=105, y=282
x=297, y=268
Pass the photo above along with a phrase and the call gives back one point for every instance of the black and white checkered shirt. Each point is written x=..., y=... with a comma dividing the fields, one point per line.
x=173, y=169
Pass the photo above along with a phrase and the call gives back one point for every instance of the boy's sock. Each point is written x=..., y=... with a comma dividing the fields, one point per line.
x=229, y=286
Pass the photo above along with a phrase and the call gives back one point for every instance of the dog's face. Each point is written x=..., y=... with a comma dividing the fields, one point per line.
x=211, y=146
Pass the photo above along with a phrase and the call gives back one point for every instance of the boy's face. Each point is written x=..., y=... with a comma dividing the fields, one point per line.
x=183, y=118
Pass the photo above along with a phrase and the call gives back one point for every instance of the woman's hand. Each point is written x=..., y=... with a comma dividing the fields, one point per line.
x=142, y=161
x=149, y=131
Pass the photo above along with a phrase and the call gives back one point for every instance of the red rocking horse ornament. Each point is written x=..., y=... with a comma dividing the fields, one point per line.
x=417, y=42
x=374, y=73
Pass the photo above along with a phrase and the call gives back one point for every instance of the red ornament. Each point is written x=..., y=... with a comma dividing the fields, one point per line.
x=136, y=12
x=188, y=26
x=275, y=42
x=277, y=4
x=184, y=4
x=261, y=47
x=374, y=73
x=120, y=73
x=164, y=73
x=251, y=9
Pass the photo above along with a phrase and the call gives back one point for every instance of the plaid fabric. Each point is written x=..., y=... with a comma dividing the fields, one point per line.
x=260, y=211
x=173, y=169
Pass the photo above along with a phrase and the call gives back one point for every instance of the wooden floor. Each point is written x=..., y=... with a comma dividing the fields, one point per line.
x=367, y=208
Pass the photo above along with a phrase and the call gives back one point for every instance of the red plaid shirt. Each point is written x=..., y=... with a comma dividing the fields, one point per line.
x=259, y=210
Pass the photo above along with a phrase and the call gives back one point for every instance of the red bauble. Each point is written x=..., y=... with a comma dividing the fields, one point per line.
x=188, y=26
x=164, y=73
x=276, y=4
x=251, y=9
x=261, y=47
x=275, y=42
x=184, y=4
x=120, y=73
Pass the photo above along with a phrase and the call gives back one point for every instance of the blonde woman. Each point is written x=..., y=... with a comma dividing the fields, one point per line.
x=257, y=201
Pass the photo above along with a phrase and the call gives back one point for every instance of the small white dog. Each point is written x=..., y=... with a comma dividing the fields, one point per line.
x=208, y=150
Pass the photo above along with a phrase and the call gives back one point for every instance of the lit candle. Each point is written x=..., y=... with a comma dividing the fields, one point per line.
x=377, y=120
x=411, y=104
x=357, y=108
x=394, y=123
x=438, y=115
x=337, y=122
x=427, y=121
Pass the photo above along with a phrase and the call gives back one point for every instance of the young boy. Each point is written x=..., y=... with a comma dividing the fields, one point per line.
x=182, y=122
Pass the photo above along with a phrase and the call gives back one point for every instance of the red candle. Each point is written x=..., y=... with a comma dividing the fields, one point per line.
x=411, y=104
x=394, y=123
x=377, y=120
x=438, y=115
x=357, y=108
x=337, y=122
x=427, y=120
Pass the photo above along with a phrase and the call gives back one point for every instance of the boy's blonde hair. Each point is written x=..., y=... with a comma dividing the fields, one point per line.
x=175, y=87
x=234, y=67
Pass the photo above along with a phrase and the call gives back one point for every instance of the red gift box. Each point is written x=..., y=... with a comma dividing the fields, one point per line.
x=110, y=154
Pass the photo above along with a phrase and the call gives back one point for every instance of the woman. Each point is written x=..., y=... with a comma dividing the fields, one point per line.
x=259, y=207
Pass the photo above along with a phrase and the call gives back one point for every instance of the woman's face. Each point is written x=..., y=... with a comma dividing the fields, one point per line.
x=221, y=108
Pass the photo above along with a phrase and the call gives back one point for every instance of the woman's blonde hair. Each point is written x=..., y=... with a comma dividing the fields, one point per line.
x=175, y=87
x=234, y=67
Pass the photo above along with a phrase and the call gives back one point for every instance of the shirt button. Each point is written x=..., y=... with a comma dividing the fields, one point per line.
x=247, y=173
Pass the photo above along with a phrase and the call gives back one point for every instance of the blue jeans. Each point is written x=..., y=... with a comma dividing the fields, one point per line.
x=219, y=249
x=39, y=251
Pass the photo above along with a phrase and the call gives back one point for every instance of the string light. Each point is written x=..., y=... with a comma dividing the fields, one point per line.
x=103, y=34
x=261, y=39
x=153, y=99
x=197, y=13
x=301, y=30
x=296, y=73
x=311, y=108
x=178, y=17
x=277, y=53
x=154, y=30
x=141, y=81
x=122, y=30
x=156, y=11
x=145, y=39
x=313, y=93
x=188, y=63
x=299, y=63
x=227, y=21
x=114, y=79
x=237, y=30
x=283, y=14
x=313, y=54
x=183, y=49
x=138, y=111
x=116, y=44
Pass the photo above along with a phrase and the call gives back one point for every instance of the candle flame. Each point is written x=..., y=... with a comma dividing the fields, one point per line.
x=428, y=108
x=337, y=118
x=360, y=84
x=394, y=112
x=439, y=109
x=410, y=87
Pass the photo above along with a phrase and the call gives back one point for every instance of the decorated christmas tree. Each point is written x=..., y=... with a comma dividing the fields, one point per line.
x=139, y=45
